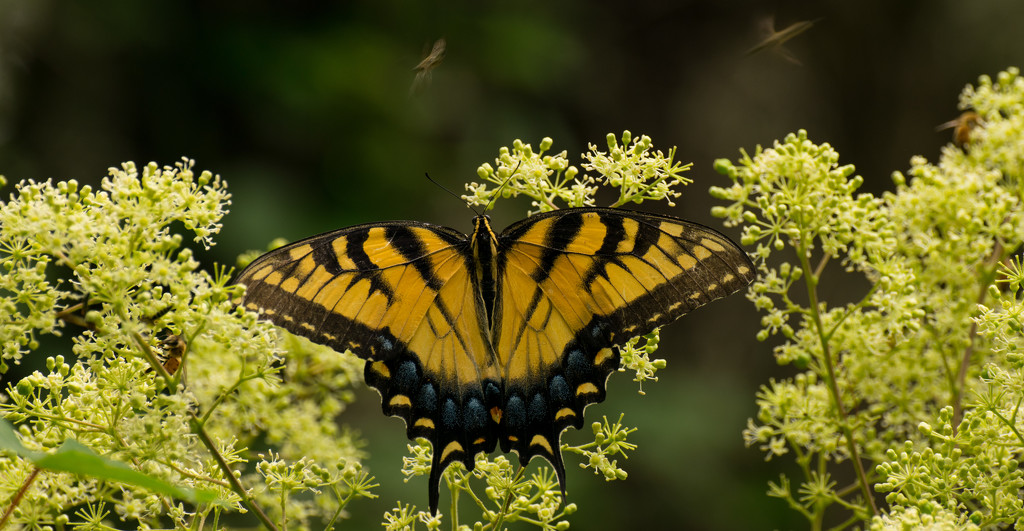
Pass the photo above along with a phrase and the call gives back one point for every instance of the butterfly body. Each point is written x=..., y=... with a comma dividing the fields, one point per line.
x=494, y=339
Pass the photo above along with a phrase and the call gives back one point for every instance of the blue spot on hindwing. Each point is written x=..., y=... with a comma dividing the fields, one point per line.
x=559, y=390
x=538, y=413
x=408, y=377
x=450, y=415
x=474, y=416
x=515, y=415
x=577, y=366
x=427, y=399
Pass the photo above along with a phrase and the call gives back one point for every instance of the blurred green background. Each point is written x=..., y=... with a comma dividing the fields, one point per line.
x=305, y=109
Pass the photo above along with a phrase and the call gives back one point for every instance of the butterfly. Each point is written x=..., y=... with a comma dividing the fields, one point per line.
x=493, y=339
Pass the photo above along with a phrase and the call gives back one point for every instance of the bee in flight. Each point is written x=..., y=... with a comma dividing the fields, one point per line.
x=776, y=40
x=424, y=70
x=962, y=126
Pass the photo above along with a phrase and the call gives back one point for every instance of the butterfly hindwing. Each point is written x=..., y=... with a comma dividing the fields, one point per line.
x=572, y=284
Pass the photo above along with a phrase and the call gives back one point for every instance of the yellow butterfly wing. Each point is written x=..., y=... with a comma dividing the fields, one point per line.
x=485, y=339
x=403, y=296
x=575, y=282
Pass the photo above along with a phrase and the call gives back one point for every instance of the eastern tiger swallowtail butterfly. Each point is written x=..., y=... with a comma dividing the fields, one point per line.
x=493, y=339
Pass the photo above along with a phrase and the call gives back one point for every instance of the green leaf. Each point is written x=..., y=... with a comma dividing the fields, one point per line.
x=9, y=441
x=76, y=458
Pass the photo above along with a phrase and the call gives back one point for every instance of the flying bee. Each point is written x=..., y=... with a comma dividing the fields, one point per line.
x=774, y=40
x=962, y=126
x=424, y=70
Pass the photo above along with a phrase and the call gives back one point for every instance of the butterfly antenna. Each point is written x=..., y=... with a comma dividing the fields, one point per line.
x=497, y=192
x=453, y=194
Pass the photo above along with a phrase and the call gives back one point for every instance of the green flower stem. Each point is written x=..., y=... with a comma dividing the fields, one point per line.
x=819, y=504
x=284, y=508
x=454, y=512
x=222, y=396
x=69, y=315
x=811, y=281
x=965, y=362
x=342, y=503
x=193, y=475
x=236, y=485
x=847, y=524
x=200, y=431
x=1011, y=423
x=987, y=277
x=508, y=498
x=861, y=304
x=650, y=187
x=337, y=514
x=623, y=198
x=154, y=362
x=56, y=419
x=821, y=267
x=464, y=485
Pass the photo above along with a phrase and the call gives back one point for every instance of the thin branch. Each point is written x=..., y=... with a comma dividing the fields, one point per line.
x=70, y=315
x=508, y=498
x=154, y=362
x=965, y=361
x=833, y=385
x=821, y=265
x=18, y=496
x=229, y=474
x=455, y=505
x=193, y=475
x=200, y=431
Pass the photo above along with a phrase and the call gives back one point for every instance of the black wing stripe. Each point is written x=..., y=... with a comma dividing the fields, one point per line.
x=560, y=234
x=411, y=248
x=355, y=252
x=324, y=256
x=615, y=233
x=648, y=234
